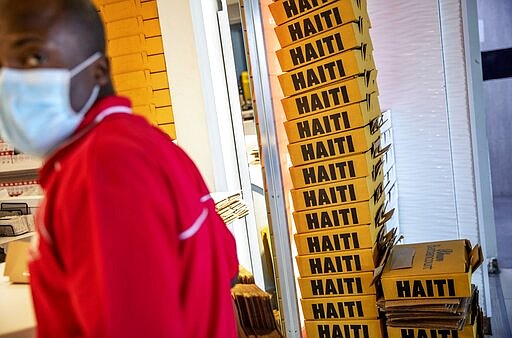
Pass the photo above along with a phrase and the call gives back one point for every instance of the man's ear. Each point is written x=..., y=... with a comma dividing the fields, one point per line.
x=102, y=71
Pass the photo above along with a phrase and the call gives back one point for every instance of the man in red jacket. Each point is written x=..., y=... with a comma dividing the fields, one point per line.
x=130, y=244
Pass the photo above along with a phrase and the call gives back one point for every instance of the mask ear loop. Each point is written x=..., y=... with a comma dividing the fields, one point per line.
x=96, y=90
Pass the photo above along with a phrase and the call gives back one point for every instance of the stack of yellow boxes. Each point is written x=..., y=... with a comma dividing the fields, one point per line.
x=135, y=48
x=333, y=127
x=428, y=293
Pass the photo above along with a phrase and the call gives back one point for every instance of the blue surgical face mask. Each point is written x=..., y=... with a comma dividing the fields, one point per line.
x=35, y=107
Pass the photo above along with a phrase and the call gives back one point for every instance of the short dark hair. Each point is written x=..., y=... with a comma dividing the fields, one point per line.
x=86, y=20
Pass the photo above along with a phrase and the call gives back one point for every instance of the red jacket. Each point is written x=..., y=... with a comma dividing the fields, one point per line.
x=130, y=243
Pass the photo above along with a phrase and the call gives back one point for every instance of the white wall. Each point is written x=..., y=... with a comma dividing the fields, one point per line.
x=420, y=54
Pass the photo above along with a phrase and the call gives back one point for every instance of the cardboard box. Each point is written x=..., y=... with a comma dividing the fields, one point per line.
x=435, y=269
x=330, y=195
x=134, y=44
x=337, y=240
x=337, y=263
x=346, y=37
x=342, y=119
x=340, y=308
x=332, y=69
x=469, y=331
x=16, y=262
x=324, y=19
x=119, y=10
x=140, y=61
x=352, y=142
x=344, y=329
x=370, y=213
x=337, y=170
x=133, y=26
x=286, y=10
x=333, y=96
x=340, y=285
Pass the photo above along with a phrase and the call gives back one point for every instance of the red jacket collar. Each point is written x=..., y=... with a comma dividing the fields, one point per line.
x=100, y=106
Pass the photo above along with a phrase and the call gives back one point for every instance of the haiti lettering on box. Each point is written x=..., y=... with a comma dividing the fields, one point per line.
x=308, y=26
x=318, y=126
x=421, y=333
x=426, y=288
x=321, y=74
x=332, y=195
x=329, y=173
x=334, y=242
x=338, y=310
x=329, y=148
x=337, y=286
x=287, y=10
x=343, y=331
x=333, y=218
x=323, y=100
x=336, y=264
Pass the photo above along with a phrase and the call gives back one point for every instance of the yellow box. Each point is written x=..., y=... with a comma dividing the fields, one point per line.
x=340, y=308
x=131, y=80
x=329, y=195
x=370, y=213
x=355, y=284
x=332, y=69
x=156, y=63
x=134, y=44
x=151, y=28
x=285, y=10
x=164, y=115
x=154, y=45
x=149, y=10
x=469, y=331
x=349, y=117
x=341, y=239
x=330, y=147
x=435, y=269
x=169, y=129
x=339, y=169
x=349, y=36
x=120, y=10
x=148, y=111
x=128, y=63
x=162, y=98
x=344, y=329
x=139, y=96
x=124, y=27
x=324, y=19
x=361, y=260
x=333, y=96
x=159, y=80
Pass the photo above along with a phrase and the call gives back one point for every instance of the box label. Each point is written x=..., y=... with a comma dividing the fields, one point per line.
x=354, y=307
x=286, y=10
x=334, y=242
x=425, y=288
x=422, y=333
x=344, y=329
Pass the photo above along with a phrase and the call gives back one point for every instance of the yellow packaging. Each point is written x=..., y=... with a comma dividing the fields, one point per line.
x=325, y=148
x=355, y=284
x=344, y=329
x=139, y=96
x=340, y=308
x=148, y=111
x=370, y=213
x=131, y=80
x=332, y=69
x=469, y=331
x=154, y=45
x=158, y=80
x=436, y=269
x=286, y=10
x=339, y=169
x=127, y=45
x=334, y=263
x=124, y=27
x=349, y=117
x=333, y=96
x=156, y=63
x=330, y=195
x=129, y=63
x=341, y=239
x=120, y=10
x=164, y=115
x=149, y=10
x=161, y=98
x=169, y=129
x=349, y=36
x=16, y=262
x=324, y=19
x=151, y=28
